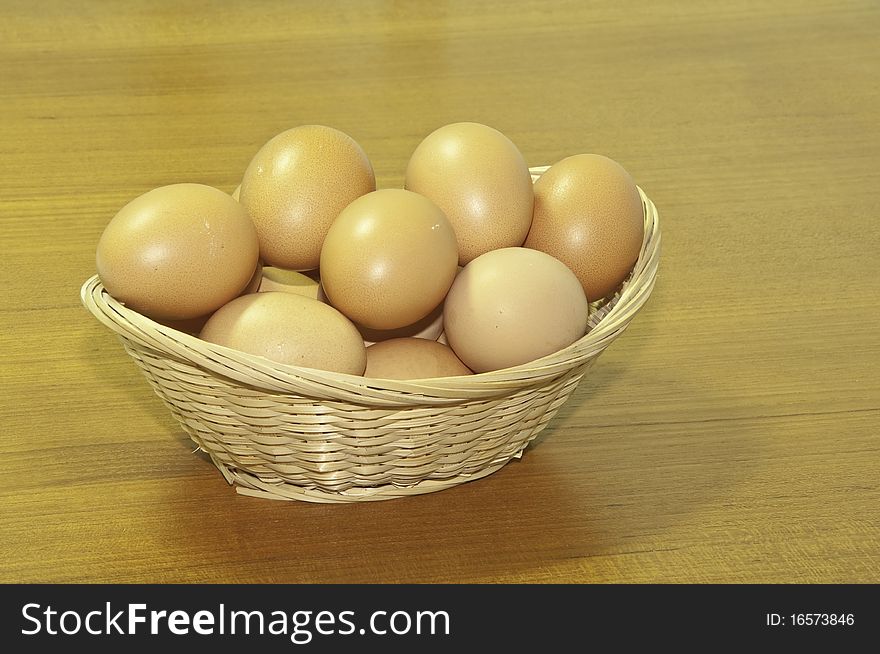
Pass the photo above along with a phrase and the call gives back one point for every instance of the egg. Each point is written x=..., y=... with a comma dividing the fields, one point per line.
x=296, y=185
x=428, y=328
x=412, y=358
x=511, y=306
x=480, y=180
x=236, y=192
x=289, y=281
x=388, y=259
x=589, y=215
x=288, y=328
x=193, y=326
x=178, y=252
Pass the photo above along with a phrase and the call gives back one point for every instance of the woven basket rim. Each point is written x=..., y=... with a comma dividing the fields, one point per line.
x=608, y=319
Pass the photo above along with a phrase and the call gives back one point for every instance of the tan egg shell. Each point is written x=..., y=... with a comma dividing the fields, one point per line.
x=511, y=306
x=389, y=259
x=194, y=325
x=589, y=215
x=291, y=329
x=289, y=281
x=412, y=358
x=480, y=180
x=428, y=328
x=296, y=185
x=178, y=252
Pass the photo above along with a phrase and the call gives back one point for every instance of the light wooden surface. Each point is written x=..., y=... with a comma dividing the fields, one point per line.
x=731, y=435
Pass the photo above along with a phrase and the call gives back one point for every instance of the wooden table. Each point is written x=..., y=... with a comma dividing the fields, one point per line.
x=730, y=435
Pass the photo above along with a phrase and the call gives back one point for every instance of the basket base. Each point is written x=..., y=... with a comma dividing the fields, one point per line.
x=248, y=484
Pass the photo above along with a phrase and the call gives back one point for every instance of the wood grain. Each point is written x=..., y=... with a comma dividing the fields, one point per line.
x=731, y=435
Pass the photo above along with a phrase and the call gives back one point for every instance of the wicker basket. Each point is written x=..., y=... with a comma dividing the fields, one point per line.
x=283, y=432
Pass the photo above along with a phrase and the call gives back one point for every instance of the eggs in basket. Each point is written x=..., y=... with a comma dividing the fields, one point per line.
x=471, y=267
x=324, y=340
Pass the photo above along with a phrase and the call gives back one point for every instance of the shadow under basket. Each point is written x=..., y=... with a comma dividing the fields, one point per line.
x=282, y=432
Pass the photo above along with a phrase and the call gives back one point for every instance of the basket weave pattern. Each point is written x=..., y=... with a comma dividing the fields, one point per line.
x=284, y=432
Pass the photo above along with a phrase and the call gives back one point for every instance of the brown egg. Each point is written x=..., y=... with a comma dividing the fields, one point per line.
x=178, y=252
x=194, y=325
x=480, y=180
x=512, y=306
x=296, y=185
x=428, y=327
x=412, y=358
x=289, y=281
x=288, y=328
x=589, y=215
x=237, y=192
x=389, y=259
